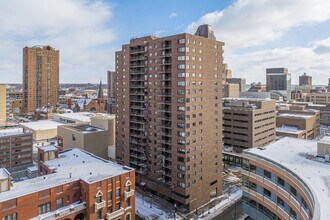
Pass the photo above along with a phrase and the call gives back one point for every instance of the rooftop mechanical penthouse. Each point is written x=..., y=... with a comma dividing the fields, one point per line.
x=72, y=184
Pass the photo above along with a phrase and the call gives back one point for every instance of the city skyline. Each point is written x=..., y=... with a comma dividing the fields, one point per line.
x=165, y=109
x=88, y=33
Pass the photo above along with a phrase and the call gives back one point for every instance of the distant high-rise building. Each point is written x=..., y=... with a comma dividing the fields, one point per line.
x=230, y=90
x=111, y=94
x=40, y=77
x=257, y=87
x=226, y=73
x=328, y=89
x=305, y=80
x=169, y=115
x=240, y=81
x=279, y=80
x=4, y=102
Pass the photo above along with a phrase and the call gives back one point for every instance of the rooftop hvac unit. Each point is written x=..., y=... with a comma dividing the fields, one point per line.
x=327, y=158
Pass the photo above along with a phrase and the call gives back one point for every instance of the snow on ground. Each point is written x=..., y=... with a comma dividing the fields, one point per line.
x=226, y=202
x=153, y=211
x=233, y=179
x=147, y=210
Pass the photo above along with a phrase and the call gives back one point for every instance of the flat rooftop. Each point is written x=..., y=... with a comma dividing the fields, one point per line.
x=81, y=116
x=3, y=173
x=10, y=132
x=325, y=140
x=245, y=99
x=76, y=116
x=299, y=156
x=87, y=128
x=79, y=163
x=289, y=130
x=41, y=125
x=292, y=115
x=50, y=147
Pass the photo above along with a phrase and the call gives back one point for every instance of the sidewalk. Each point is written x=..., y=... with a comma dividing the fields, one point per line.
x=218, y=205
x=149, y=206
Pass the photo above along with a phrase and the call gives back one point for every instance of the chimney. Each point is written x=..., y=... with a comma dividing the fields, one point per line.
x=69, y=103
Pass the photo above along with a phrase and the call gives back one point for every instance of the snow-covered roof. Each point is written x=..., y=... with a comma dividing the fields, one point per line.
x=82, y=102
x=77, y=162
x=288, y=115
x=41, y=125
x=325, y=140
x=49, y=148
x=10, y=132
x=317, y=105
x=104, y=116
x=87, y=128
x=32, y=169
x=298, y=156
x=3, y=173
x=289, y=129
x=244, y=99
x=76, y=116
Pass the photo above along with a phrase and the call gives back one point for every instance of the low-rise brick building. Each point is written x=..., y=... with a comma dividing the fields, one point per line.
x=72, y=184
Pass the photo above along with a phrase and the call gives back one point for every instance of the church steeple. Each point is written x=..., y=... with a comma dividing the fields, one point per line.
x=100, y=93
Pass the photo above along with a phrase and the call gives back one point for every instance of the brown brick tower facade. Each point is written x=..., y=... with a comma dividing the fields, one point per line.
x=40, y=77
x=169, y=115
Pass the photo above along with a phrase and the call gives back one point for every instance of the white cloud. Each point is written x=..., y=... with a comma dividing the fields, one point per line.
x=297, y=59
x=77, y=28
x=159, y=33
x=173, y=14
x=254, y=22
x=323, y=47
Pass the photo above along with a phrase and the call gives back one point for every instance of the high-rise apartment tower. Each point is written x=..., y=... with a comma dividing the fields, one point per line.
x=111, y=98
x=305, y=80
x=169, y=115
x=279, y=80
x=40, y=77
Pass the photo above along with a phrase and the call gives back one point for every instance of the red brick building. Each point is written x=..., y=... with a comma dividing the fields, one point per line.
x=168, y=108
x=90, y=105
x=72, y=184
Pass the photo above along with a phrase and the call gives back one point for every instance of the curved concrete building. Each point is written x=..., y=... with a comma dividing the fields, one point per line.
x=286, y=180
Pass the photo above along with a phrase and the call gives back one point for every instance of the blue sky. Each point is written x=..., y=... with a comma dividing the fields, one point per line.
x=164, y=17
x=257, y=33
